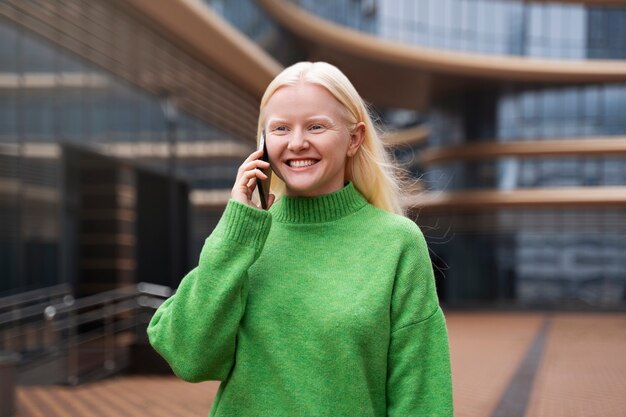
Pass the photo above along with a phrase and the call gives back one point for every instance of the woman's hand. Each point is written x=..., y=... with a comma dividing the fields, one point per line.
x=247, y=175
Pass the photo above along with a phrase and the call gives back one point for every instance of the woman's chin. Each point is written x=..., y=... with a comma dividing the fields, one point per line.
x=309, y=188
x=301, y=189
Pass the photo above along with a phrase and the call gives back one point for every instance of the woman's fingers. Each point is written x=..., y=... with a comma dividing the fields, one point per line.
x=247, y=181
x=247, y=175
x=257, y=163
x=256, y=155
x=252, y=174
x=251, y=184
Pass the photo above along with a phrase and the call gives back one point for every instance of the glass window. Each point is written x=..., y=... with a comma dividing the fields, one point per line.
x=8, y=115
x=8, y=45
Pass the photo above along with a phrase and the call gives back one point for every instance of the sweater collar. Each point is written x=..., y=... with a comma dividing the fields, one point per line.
x=319, y=209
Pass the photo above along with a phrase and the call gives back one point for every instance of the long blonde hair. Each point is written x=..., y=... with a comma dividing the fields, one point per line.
x=370, y=169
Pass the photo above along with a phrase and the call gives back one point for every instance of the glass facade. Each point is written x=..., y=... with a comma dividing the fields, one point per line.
x=250, y=18
x=55, y=91
x=501, y=27
x=540, y=256
x=570, y=255
x=522, y=115
x=50, y=98
x=532, y=255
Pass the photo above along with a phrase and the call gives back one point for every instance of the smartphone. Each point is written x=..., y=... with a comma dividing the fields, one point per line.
x=264, y=185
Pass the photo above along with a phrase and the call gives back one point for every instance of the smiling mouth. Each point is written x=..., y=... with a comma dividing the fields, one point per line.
x=301, y=163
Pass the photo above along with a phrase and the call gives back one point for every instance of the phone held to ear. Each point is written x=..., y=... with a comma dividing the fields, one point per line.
x=263, y=186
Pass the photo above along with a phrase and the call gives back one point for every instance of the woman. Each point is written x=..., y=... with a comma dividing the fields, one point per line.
x=324, y=305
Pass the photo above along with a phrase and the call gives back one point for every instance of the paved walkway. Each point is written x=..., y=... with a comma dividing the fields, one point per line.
x=504, y=364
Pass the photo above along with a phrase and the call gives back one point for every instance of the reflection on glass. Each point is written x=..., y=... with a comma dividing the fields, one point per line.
x=547, y=30
x=48, y=97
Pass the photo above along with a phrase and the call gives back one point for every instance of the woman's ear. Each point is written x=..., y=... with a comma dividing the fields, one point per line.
x=356, y=139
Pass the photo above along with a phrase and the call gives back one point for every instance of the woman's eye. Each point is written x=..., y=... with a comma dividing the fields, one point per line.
x=281, y=128
x=316, y=127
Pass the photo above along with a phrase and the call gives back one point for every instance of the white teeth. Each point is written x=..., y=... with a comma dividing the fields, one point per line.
x=301, y=163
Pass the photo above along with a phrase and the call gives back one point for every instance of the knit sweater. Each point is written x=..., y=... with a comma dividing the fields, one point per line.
x=321, y=306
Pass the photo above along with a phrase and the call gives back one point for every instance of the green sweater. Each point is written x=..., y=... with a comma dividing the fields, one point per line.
x=323, y=306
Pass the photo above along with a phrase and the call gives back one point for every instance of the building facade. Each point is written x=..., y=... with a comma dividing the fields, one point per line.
x=535, y=254
x=81, y=80
x=522, y=169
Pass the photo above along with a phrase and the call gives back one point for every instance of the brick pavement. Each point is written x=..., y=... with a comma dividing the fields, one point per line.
x=485, y=350
x=582, y=372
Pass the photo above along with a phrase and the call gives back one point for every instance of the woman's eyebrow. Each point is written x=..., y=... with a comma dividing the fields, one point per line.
x=276, y=120
x=319, y=117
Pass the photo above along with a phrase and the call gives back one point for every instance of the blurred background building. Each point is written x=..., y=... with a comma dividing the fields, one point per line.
x=122, y=125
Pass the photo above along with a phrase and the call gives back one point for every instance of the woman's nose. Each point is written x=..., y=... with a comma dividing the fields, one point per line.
x=298, y=141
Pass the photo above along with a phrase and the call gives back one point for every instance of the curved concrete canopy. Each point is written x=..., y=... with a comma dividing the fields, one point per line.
x=408, y=136
x=485, y=200
x=196, y=26
x=403, y=75
x=595, y=146
x=176, y=48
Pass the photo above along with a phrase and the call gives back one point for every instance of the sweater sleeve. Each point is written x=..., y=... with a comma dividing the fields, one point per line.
x=419, y=381
x=195, y=329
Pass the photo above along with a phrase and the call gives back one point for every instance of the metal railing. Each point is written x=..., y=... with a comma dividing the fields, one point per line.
x=48, y=295
x=73, y=340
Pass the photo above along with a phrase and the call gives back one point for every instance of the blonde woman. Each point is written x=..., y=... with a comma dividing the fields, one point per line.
x=325, y=304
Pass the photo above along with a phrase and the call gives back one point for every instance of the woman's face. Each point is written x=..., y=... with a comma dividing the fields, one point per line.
x=308, y=139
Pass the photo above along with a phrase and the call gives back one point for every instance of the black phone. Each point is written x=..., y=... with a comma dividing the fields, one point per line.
x=264, y=185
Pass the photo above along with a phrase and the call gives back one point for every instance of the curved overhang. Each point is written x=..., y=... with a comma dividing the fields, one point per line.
x=191, y=23
x=50, y=81
x=36, y=194
x=596, y=146
x=404, y=75
x=189, y=152
x=409, y=136
x=486, y=200
x=209, y=199
x=178, y=49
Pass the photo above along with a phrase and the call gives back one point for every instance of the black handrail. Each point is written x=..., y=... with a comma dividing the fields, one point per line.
x=34, y=296
x=89, y=324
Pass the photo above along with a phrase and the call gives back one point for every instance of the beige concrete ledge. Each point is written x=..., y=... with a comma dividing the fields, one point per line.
x=188, y=151
x=209, y=198
x=193, y=24
x=590, y=146
x=410, y=136
x=484, y=200
x=404, y=75
x=47, y=81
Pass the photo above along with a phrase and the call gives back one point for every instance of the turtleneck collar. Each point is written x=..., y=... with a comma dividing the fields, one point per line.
x=319, y=209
